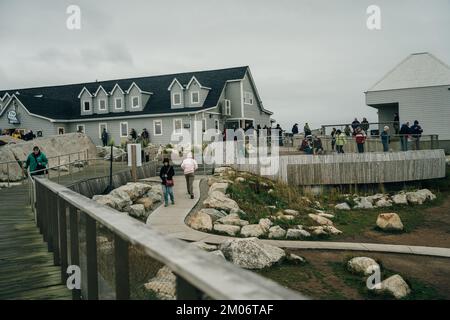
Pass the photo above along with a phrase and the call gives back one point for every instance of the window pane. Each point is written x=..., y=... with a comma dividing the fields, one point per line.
x=176, y=98
x=87, y=106
x=195, y=97
x=124, y=129
x=158, y=127
x=102, y=104
x=118, y=103
x=135, y=101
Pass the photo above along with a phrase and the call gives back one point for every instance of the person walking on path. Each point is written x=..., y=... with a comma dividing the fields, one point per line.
x=360, y=138
x=404, y=135
x=307, y=129
x=104, y=137
x=416, y=131
x=166, y=174
x=333, y=139
x=189, y=165
x=385, y=139
x=36, y=161
x=340, y=141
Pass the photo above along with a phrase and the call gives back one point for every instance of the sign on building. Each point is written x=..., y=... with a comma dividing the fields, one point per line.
x=12, y=117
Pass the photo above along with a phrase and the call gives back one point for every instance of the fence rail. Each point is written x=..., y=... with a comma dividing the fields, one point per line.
x=198, y=274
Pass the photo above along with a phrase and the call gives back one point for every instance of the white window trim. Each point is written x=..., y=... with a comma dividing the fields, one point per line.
x=64, y=130
x=227, y=110
x=100, y=103
x=217, y=124
x=192, y=95
x=173, y=98
x=81, y=125
x=251, y=97
x=90, y=107
x=100, y=128
x=120, y=128
x=139, y=102
x=154, y=126
x=174, y=127
x=121, y=103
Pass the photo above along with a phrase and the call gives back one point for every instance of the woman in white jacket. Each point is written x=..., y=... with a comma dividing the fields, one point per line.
x=189, y=165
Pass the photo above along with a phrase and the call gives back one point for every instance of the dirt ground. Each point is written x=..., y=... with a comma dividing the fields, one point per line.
x=429, y=277
x=434, y=232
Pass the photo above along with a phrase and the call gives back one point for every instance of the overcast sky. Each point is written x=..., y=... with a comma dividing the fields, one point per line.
x=311, y=60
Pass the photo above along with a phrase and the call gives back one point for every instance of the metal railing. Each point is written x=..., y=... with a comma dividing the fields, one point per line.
x=199, y=275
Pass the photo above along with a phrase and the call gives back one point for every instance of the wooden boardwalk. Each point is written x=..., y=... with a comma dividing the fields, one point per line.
x=26, y=266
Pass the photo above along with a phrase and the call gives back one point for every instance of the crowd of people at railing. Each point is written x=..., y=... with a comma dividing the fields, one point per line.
x=17, y=134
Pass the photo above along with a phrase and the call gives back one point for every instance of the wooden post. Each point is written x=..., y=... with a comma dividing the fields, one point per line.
x=121, y=266
x=74, y=246
x=133, y=163
x=62, y=238
x=91, y=257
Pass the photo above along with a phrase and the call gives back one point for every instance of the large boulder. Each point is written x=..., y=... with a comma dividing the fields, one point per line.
x=227, y=229
x=291, y=212
x=362, y=265
x=146, y=202
x=320, y=219
x=400, y=199
x=342, y=206
x=200, y=221
x=137, y=210
x=427, y=194
x=118, y=154
x=251, y=253
x=277, y=232
x=252, y=230
x=163, y=284
x=118, y=200
x=395, y=286
x=204, y=246
x=297, y=234
x=214, y=213
x=416, y=197
x=232, y=219
x=265, y=224
x=218, y=186
x=218, y=200
x=135, y=190
x=389, y=222
x=363, y=203
x=383, y=203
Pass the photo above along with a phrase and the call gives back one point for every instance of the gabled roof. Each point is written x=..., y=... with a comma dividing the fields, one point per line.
x=175, y=81
x=98, y=90
x=159, y=103
x=198, y=82
x=417, y=70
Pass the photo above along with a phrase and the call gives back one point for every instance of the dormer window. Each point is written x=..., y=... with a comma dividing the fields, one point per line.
x=135, y=102
x=176, y=99
x=102, y=104
x=87, y=106
x=118, y=103
x=195, y=97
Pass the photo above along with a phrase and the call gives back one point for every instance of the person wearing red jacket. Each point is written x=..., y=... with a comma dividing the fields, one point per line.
x=360, y=138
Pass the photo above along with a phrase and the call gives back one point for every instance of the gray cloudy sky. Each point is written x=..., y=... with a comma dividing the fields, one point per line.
x=311, y=59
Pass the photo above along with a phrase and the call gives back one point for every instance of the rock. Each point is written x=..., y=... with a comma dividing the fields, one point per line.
x=154, y=195
x=416, y=198
x=400, y=199
x=228, y=229
x=326, y=215
x=394, y=285
x=232, y=219
x=63, y=168
x=200, y=221
x=332, y=230
x=218, y=186
x=239, y=180
x=220, y=201
x=291, y=212
x=204, y=246
x=118, y=154
x=383, y=203
x=318, y=231
x=427, y=193
x=389, y=222
x=135, y=190
x=286, y=217
x=297, y=234
x=265, y=224
x=320, y=220
x=363, y=203
x=118, y=201
x=163, y=284
x=252, y=230
x=373, y=199
x=146, y=202
x=251, y=253
x=342, y=206
x=219, y=254
x=277, y=232
x=295, y=259
x=223, y=170
x=214, y=213
x=362, y=265
x=137, y=210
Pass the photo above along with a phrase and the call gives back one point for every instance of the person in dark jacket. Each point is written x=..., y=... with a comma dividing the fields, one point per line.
x=355, y=125
x=405, y=131
x=145, y=135
x=133, y=135
x=307, y=130
x=166, y=174
x=333, y=139
x=416, y=131
x=385, y=139
x=396, y=123
x=365, y=125
x=295, y=129
x=104, y=137
x=36, y=161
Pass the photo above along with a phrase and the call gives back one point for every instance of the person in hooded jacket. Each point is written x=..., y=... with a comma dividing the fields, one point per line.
x=189, y=165
x=166, y=174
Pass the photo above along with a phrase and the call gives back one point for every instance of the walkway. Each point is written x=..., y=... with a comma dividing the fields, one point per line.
x=170, y=220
